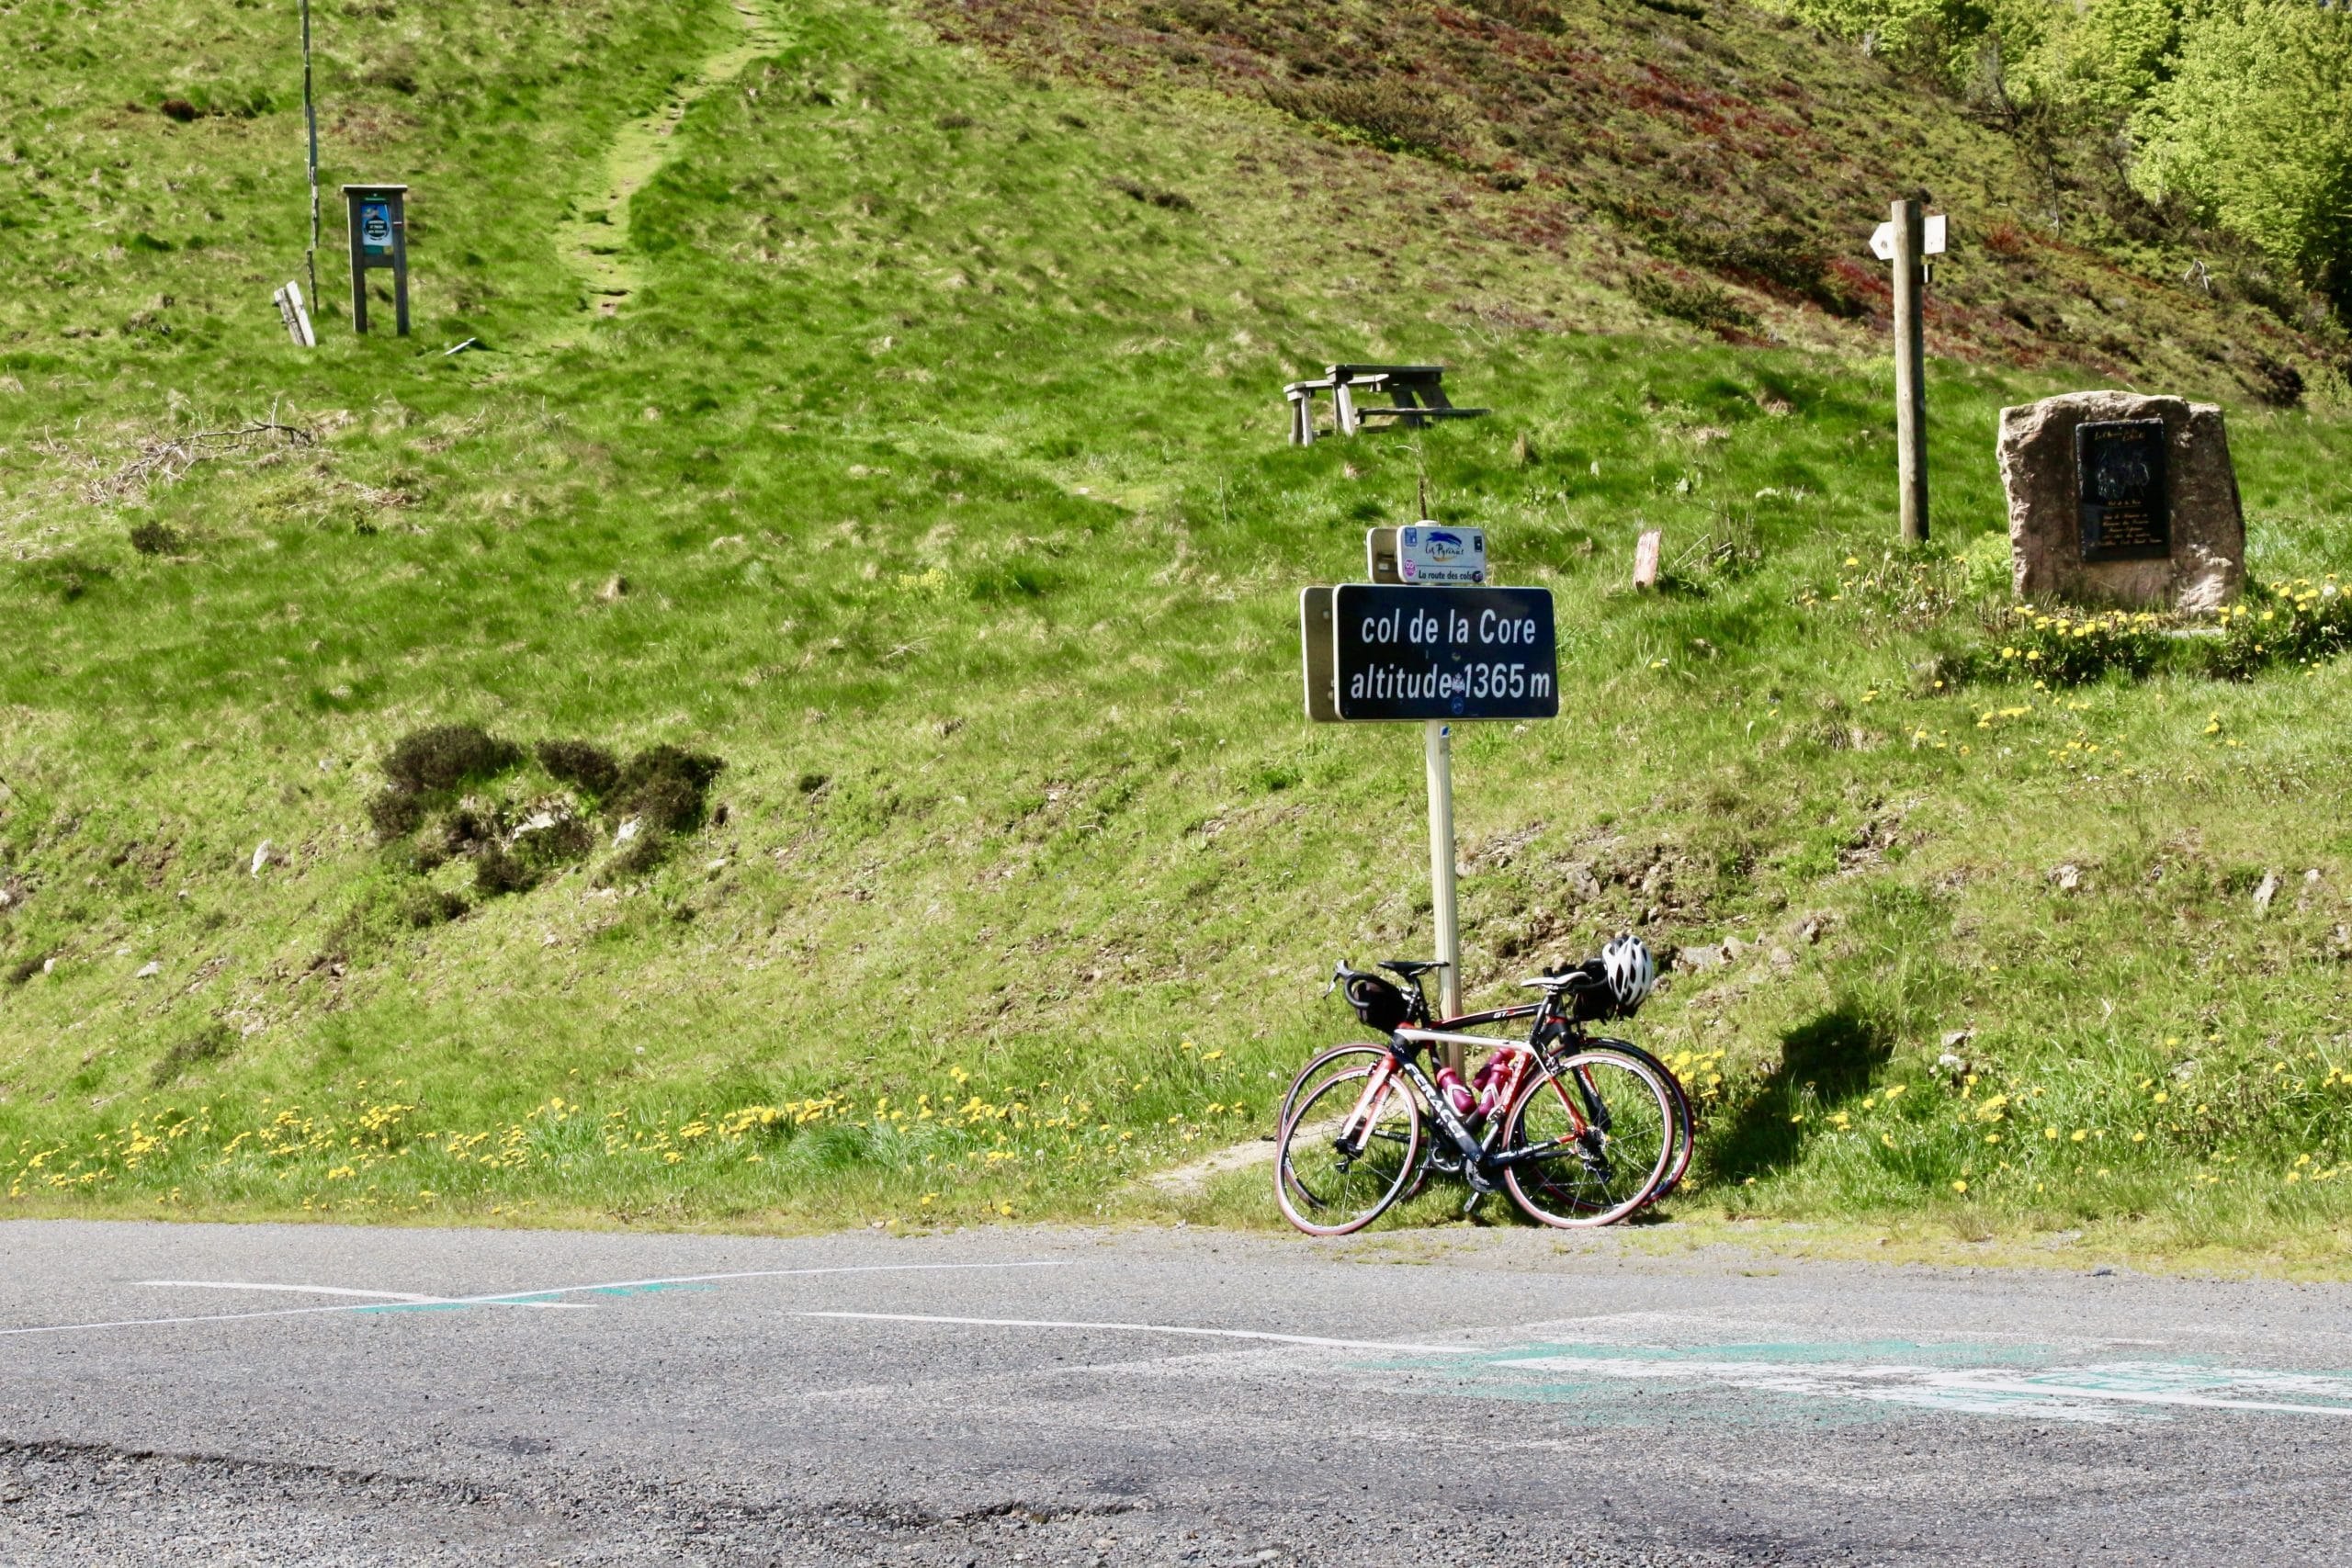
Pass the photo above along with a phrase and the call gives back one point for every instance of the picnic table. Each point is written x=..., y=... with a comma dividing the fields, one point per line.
x=1417, y=395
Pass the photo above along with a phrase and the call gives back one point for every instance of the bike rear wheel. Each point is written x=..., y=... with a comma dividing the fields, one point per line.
x=1349, y=1149
x=1592, y=1138
x=1685, y=1124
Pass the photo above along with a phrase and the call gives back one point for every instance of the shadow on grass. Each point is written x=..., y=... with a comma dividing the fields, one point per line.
x=1825, y=1061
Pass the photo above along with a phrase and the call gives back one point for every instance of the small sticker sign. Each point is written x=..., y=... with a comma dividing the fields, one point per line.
x=1431, y=556
x=376, y=226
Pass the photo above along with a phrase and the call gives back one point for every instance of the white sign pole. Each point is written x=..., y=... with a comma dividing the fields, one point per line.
x=1437, y=751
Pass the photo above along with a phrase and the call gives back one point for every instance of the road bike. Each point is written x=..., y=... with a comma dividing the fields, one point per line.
x=1580, y=1131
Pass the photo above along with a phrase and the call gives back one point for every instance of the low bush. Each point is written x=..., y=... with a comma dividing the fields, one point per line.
x=447, y=757
x=424, y=908
x=2065, y=649
x=1699, y=303
x=586, y=767
x=153, y=538
x=496, y=872
x=665, y=789
x=1385, y=111
x=2300, y=622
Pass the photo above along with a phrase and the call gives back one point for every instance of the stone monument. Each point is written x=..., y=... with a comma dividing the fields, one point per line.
x=2119, y=499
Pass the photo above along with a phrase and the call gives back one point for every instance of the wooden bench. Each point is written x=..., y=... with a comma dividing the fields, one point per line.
x=1416, y=392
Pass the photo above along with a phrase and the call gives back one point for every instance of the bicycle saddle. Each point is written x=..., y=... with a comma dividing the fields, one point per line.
x=1411, y=968
x=1576, y=978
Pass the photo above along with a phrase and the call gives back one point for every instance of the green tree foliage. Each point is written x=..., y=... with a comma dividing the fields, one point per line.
x=2254, y=127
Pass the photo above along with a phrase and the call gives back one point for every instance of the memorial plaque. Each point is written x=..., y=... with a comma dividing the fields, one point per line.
x=1442, y=653
x=2126, y=513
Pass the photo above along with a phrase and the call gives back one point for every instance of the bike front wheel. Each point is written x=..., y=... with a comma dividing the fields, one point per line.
x=1588, y=1140
x=1347, y=1151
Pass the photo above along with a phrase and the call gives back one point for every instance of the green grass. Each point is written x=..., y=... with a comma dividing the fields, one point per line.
x=946, y=480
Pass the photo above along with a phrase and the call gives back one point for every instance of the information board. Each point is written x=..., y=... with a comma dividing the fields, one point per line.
x=1414, y=653
x=375, y=227
x=2126, y=511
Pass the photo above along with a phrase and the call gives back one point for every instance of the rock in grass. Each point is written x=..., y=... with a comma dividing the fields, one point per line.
x=2207, y=526
x=266, y=855
x=2266, y=893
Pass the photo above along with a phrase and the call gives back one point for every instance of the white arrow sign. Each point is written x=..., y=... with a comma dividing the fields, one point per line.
x=1935, y=231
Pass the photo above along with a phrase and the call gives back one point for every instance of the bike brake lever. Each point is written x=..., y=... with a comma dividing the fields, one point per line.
x=1337, y=970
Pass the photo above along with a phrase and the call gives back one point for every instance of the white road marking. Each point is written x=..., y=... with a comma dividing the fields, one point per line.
x=2075, y=1393
x=408, y=1296
x=1312, y=1339
x=510, y=1297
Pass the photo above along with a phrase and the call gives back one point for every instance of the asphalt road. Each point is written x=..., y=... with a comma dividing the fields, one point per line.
x=266, y=1394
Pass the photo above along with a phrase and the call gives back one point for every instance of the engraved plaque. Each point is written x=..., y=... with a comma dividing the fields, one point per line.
x=2119, y=486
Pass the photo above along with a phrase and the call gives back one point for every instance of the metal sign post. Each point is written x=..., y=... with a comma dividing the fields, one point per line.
x=1395, y=652
x=379, y=215
x=1437, y=755
x=1907, y=239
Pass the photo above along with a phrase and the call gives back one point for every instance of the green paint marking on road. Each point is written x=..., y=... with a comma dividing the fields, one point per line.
x=1887, y=1377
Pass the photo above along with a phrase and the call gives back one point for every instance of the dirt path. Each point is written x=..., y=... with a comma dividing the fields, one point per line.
x=594, y=239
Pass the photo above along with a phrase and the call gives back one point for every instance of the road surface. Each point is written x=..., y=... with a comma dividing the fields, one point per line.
x=310, y=1394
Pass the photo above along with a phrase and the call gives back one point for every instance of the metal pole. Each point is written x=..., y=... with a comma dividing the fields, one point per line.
x=311, y=113
x=1910, y=369
x=1438, y=753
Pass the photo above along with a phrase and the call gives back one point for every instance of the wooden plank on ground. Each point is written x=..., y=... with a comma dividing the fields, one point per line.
x=1646, y=551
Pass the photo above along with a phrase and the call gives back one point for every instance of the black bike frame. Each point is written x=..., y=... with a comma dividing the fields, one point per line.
x=1406, y=1056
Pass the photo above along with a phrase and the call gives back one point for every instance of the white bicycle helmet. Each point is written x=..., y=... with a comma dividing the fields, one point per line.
x=1630, y=970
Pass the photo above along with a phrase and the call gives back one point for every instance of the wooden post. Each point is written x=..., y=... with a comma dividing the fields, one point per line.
x=1648, y=550
x=1909, y=218
x=310, y=117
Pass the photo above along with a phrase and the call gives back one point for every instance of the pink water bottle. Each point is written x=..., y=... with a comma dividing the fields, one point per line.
x=1457, y=1093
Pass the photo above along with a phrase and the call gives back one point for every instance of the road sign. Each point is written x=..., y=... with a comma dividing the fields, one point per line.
x=1315, y=654
x=1406, y=653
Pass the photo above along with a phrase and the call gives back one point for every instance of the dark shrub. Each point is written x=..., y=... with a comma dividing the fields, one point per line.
x=586, y=767
x=665, y=787
x=1389, y=112
x=1699, y=303
x=154, y=539
x=637, y=857
x=467, y=832
x=568, y=840
x=424, y=907
x=180, y=110
x=496, y=872
x=207, y=1044
x=448, y=756
x=395, y=814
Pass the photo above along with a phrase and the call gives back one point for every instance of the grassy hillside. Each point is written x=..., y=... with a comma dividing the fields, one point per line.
x=929, y=477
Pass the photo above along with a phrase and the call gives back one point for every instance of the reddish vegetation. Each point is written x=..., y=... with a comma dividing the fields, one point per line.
x=1737, y=143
